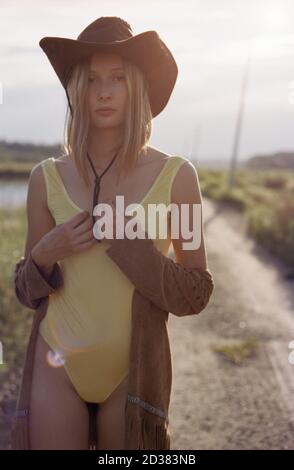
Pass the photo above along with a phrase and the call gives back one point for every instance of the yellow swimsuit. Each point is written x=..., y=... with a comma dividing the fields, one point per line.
x=88, y=320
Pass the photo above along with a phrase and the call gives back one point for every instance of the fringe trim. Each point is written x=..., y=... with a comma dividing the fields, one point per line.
x=145, y=431
x=20, y=432
x=92, y=408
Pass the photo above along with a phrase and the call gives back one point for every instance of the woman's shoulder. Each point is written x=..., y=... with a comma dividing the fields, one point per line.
x=62, y=159
x=45, y=167
x=186, y=185
x=156, y=154
x=185, y=178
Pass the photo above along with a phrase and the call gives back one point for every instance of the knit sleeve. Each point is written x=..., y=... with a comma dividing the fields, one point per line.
x=168, y=284
x=30, y=285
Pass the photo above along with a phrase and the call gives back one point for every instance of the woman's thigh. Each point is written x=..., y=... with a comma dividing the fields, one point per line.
x=111, y=419
x=59, y=418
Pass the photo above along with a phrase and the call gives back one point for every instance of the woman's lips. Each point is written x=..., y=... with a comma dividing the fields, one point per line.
x=105, y=112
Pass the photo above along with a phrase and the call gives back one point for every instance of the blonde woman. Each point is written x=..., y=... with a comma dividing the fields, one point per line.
x=88, y=351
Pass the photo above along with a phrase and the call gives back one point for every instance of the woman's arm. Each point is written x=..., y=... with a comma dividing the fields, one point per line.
x=186, y=190
x=182, y=287
x=35, y=278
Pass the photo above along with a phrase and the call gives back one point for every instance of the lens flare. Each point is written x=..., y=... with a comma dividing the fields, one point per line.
x=55, y=359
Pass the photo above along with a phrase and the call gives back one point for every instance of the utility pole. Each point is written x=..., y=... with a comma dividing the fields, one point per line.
x=195, y=142
x=239, y=126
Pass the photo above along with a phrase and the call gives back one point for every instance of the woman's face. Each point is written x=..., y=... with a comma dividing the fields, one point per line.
x=107, y=88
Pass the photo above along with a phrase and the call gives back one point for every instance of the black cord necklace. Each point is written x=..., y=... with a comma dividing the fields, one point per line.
x=97, y=177
x=97, y=183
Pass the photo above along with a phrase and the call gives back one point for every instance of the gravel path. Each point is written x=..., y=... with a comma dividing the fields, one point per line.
x=215, y=403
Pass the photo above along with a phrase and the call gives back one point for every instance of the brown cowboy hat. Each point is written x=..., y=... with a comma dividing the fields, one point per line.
x=113, y=34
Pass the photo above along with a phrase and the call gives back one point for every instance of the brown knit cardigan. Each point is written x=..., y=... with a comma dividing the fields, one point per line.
x=162, y=286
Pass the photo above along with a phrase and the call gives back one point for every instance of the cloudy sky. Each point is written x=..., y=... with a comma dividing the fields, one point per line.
x=211, y=41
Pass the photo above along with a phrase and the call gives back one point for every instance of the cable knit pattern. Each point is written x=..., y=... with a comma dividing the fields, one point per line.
x=171, y=286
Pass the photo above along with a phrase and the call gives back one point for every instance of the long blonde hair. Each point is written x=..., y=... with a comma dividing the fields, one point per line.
x=137, y=125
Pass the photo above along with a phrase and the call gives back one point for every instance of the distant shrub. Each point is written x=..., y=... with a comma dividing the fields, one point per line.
x=276, y=182
x=267, y=199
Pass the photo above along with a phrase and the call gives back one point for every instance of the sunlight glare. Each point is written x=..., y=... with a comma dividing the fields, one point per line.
x=275, y=18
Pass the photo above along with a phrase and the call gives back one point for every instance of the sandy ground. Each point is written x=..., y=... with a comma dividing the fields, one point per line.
x=216, y=404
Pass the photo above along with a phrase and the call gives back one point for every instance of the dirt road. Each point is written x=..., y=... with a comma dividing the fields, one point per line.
x=215, y=403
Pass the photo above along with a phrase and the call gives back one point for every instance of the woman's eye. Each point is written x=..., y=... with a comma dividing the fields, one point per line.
x=119, y=77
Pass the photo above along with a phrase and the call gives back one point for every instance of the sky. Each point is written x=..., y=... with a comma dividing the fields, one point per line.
x=211, y=41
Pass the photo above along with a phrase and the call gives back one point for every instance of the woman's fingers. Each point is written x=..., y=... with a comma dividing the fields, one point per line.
x=78, y=219
x=85, y=236
x=84, y=226
x=80, y=224
x=86, y=245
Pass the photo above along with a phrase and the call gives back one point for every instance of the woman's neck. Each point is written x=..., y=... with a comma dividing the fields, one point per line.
x=102, y=146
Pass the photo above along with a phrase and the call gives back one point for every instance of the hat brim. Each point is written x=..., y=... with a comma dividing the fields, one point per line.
x=146, y=50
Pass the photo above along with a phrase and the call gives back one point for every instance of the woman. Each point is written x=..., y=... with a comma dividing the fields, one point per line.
x=102, y=304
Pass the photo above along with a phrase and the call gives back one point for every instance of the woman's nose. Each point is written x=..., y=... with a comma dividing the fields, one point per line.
x=105, y=93
x=104, y=89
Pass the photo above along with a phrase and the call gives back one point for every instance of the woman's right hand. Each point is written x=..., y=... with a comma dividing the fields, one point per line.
x=65, y=239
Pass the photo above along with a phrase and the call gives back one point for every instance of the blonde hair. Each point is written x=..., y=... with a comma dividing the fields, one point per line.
x=137, y=125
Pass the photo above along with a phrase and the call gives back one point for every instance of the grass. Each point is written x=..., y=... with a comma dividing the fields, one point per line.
x=15, y=320
x=236, y=352
x=266, y=198
x=15, y=169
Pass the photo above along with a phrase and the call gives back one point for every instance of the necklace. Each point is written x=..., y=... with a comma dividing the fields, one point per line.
x=97, y=183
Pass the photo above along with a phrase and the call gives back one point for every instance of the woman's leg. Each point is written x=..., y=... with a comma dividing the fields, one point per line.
x=111, y=419
x=59, y=418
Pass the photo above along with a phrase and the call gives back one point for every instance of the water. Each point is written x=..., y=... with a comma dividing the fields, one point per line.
x=13, y=193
